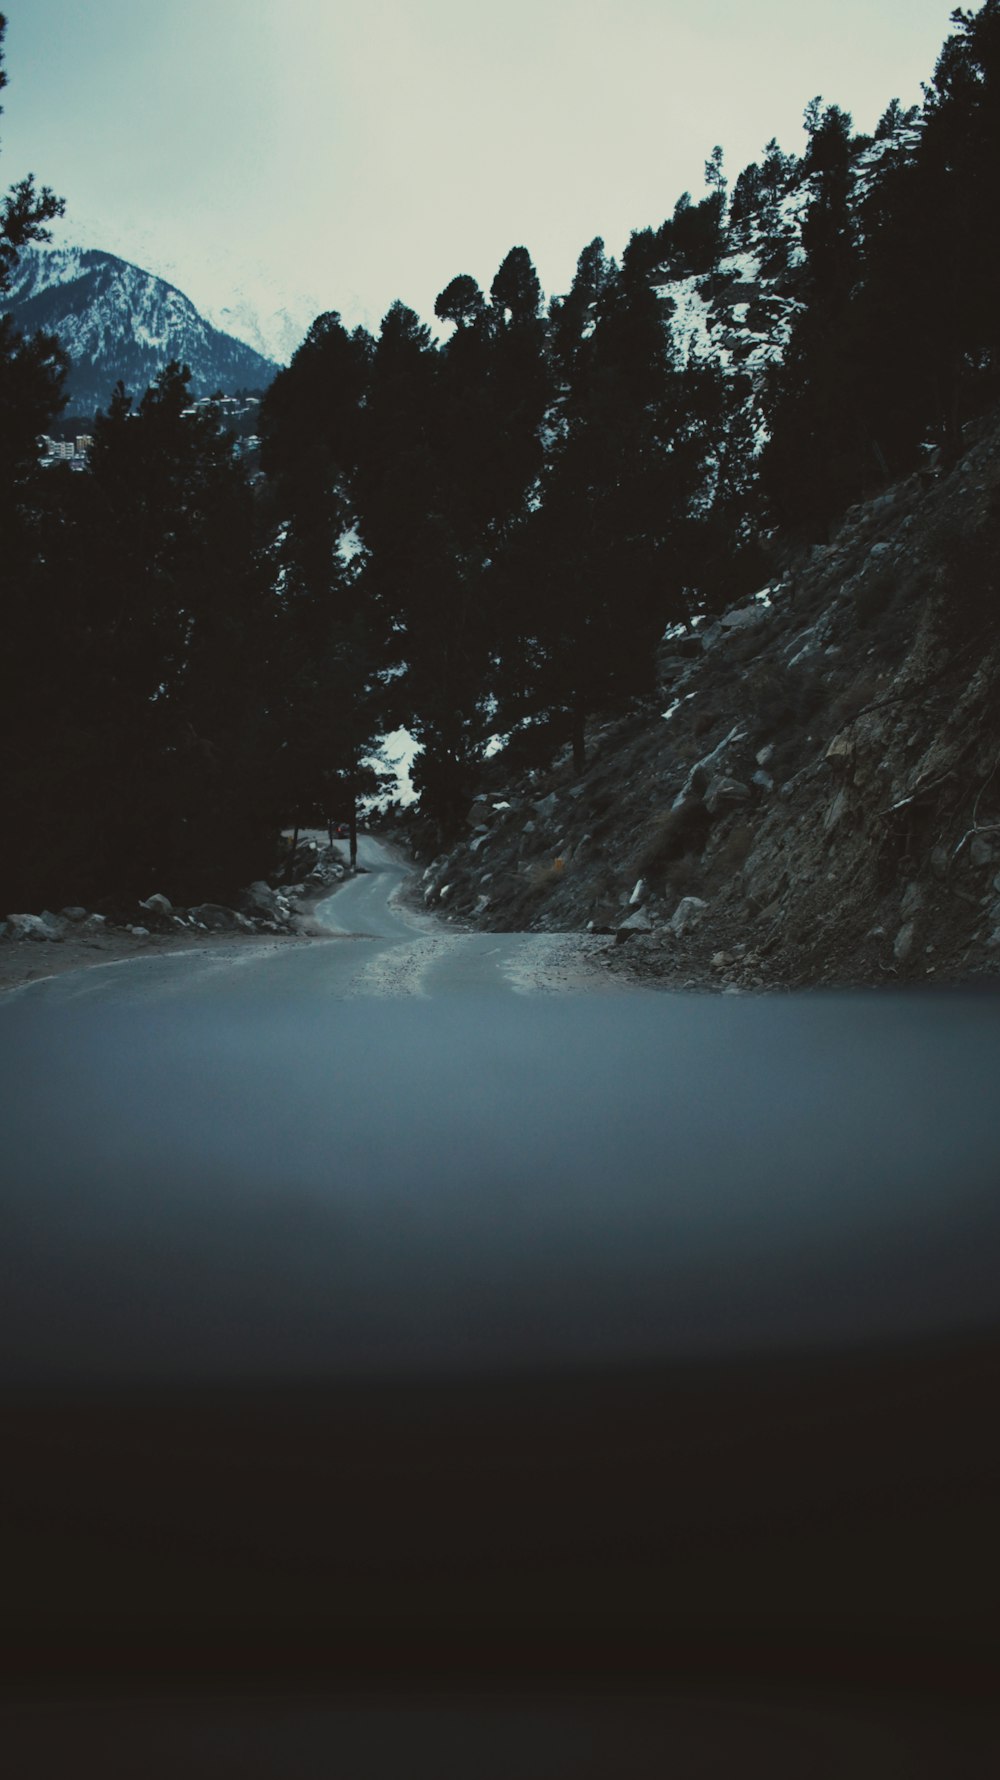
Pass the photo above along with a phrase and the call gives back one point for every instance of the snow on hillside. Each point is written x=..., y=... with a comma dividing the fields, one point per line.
x=277, y=334
x=740, y=315
x=118, y=322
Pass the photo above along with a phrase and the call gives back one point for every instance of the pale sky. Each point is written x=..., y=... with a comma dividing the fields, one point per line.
x=348, y=152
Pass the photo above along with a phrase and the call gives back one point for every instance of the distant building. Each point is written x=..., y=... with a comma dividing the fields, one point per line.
x=74, y=452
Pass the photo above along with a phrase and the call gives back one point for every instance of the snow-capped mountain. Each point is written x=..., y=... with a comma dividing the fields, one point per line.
x=118, y=322
x=276, y=336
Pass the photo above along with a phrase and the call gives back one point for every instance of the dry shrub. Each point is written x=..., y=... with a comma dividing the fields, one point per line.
x=849, y=704
x=683, y=877
x=671, y=835
x=733, y=850
x=543, y=876
x=777, y=695
x=876, y=590
x=970, y=552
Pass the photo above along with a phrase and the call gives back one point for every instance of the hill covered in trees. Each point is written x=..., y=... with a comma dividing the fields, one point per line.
x=487, y=538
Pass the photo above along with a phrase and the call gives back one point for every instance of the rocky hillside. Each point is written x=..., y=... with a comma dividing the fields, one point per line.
x=814, y=797
x=117, y=322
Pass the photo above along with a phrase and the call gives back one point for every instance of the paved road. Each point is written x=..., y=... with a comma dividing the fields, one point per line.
x=363, y=1297
x=375, y=947
x=522, y=1169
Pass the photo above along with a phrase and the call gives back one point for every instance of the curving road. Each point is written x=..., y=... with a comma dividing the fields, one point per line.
x=378, y=1297
x=372, y=945
x=529, y=1159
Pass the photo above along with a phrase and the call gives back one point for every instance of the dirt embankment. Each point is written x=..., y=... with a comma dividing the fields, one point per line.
x=815, y=795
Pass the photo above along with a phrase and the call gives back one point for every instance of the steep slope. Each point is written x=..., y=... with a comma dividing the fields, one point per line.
x=815, y=797
x=118, y=322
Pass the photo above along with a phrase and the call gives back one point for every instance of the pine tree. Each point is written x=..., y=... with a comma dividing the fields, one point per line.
x=925, y=319
x=572, y=318
x=461, y=301
x=818, y=455
x=332, y=628
x=603, y=560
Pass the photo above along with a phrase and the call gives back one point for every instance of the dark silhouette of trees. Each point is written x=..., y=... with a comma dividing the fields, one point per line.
x=814, y=463
x=331, y=626
x=461, y=301
x=604, y=559
x=142, y=756
x=572, y=318
x=471, y=535
x=929, y=314
x=898, y=345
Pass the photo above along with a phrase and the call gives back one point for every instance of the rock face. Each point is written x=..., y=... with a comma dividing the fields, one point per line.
x=815, y=795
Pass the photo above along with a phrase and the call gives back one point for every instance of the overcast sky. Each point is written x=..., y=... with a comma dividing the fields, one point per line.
x=349, y=152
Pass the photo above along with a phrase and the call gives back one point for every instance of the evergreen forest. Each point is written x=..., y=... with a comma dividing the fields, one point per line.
x=477, y=534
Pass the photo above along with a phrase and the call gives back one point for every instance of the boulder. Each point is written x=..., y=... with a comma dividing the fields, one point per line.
x=637, y=922
x=840, y=752
x=701, y=773
x=902, y=945
x=158, y=904
x=216, y=918
x=836, y=811
x=724, y=794
x=40, y=927
x=687, y=914
x=260, y=897
x=73, y=914
x=744, y=618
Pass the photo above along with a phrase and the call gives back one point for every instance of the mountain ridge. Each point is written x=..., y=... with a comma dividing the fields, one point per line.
x=117, y=323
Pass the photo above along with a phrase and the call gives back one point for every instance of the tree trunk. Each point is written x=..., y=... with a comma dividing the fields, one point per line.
x=353, y=822
x=577, y=737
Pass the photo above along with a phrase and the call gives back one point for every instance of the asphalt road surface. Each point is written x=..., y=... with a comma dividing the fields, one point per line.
x=376, y=947
x=415, y=1305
